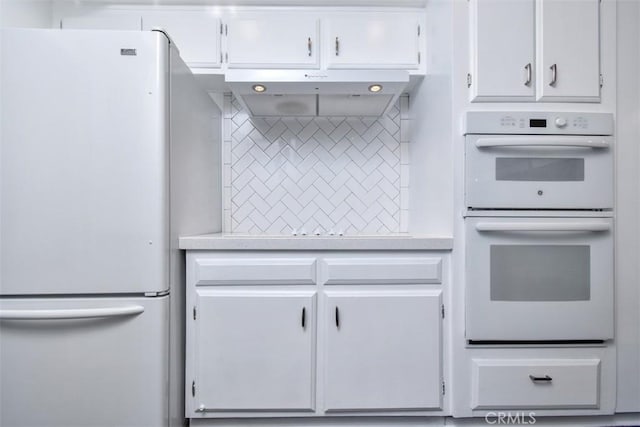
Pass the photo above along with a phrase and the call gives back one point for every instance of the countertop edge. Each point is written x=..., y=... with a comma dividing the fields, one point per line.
x=222, y=242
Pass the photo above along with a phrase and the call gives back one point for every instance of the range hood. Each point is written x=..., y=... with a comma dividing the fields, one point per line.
x=268, y=93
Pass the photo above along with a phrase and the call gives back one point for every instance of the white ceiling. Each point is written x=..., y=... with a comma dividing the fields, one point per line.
x=372, y=3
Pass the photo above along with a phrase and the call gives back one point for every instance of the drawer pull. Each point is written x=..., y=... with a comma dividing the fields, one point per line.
x=337, y=318
x=546, y=378
x=304, y=317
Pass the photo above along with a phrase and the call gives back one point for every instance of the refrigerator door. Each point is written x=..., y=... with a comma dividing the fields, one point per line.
x=84, y=362
x=84, y=162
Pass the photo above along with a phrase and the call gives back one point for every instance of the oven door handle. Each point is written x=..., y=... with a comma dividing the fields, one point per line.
x=539, y=142
x=80, y=313
x=541, y=226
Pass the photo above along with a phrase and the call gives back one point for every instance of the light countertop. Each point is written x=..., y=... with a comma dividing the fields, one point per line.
x=220, y=241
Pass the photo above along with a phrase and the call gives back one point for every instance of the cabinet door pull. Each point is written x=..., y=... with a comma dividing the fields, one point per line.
x=337, y=47
x=309, y=45
x=304, y=317
x=528, y=69
x=337, y=318
x=554, y=74
x=546, y=378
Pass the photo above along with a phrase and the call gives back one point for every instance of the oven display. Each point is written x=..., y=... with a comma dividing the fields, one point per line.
x=538, y=123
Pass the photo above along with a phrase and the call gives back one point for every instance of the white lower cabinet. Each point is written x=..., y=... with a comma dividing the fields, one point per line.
x=382, y=350
x=324, y=342
x=254, y=350
x=535, y=383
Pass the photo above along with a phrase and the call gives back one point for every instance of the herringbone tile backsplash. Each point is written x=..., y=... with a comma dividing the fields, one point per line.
x=320, y=174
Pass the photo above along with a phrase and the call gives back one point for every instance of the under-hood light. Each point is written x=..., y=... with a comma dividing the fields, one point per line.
x=259, y=88
x=375, y=88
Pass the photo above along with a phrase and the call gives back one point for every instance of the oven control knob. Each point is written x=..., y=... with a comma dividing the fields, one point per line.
x=561, y=122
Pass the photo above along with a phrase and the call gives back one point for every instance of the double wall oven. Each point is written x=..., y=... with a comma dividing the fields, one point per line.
x=539, y=227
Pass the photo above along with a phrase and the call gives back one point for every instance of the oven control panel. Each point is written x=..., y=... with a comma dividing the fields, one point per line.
x=538, y=123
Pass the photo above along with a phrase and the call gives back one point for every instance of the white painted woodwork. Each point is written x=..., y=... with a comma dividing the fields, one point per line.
x=97, y=19
x=273, y=40
x=568, y=36
x=372, y=40
x=506, y=383
x=383, y=353
x=341, y=271
x=252, y=351
x=502, y=34
x=254, y=271
x=196, y=34
x=260, y=38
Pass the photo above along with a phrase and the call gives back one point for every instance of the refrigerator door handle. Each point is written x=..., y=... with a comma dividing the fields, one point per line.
x=89, y=313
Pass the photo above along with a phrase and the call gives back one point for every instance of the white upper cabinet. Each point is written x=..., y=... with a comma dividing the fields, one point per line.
x=382, y=350
x=568, y=50
x=503, y=50
x=255, y=351
x=269, y=40
x=319, y=38
x=372, y=40
x=99, y=19
x=535, y=50
x=196, y=34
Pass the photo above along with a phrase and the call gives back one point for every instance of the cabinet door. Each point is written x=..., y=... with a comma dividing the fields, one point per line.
x=195, y=33
x=502, y=50
x=382, y=350
x=129, y=20
x=270, y=41
x=372, y=40
x=568, y=50
x=255, y=350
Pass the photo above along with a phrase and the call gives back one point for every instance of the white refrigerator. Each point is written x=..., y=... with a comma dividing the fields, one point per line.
x=109, y=151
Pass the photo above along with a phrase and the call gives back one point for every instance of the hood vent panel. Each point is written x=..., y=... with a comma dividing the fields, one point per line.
x=319, y=93
x=266, y=105
x=354, y=105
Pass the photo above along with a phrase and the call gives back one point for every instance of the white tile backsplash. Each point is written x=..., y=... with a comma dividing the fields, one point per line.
x=325, y=173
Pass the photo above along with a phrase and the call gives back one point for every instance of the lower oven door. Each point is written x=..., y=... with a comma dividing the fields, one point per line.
x=539, y=279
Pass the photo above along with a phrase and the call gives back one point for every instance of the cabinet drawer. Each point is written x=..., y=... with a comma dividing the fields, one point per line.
x=343, y=271
x=535, y=383
x=255, y=271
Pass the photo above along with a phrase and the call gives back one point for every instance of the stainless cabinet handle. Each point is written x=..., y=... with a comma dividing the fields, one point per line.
x=71, y=313
x=337, y=47
x=309, y=45
x=554, y=74
x=337, y=318
x=546, y=378
x=304, y=317
x=528, y=70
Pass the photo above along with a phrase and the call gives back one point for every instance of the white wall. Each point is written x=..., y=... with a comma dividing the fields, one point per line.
x=431, y=135
x=628, y=207
x=26, y=13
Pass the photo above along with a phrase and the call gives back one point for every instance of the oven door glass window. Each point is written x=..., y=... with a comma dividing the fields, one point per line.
x=539, y=169
x=540, y=273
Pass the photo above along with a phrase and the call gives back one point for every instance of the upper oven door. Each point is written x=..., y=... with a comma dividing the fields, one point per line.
x=539, y=172
x=539, y=279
